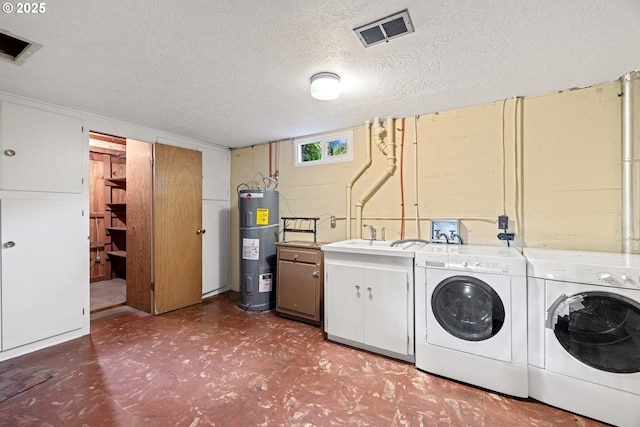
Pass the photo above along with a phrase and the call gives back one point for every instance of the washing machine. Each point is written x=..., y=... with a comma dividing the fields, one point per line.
x=584, y=333
x=471, y=320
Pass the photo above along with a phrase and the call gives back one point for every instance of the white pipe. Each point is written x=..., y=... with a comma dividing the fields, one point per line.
x=388, y=149
x=627, y=162
x=364, y=167
x=415, y=172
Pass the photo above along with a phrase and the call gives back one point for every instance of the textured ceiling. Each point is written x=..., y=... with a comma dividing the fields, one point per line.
x=236, y=72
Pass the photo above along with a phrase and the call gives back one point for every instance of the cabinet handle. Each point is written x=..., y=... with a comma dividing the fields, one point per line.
x=9, y=245
x=9, y=153
x=198, y=231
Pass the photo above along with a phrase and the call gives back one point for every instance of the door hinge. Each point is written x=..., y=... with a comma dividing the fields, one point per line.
x=153, y=286
x=152, y=162
x=82, y=181
x=82, y=212
x=83, y=311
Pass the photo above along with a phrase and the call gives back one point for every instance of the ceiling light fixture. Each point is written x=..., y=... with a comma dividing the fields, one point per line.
x=325, y=86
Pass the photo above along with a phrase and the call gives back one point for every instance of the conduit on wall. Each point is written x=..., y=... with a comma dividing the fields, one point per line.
x=389, y=150
x=415, y=173
x=402, y=182
x=627, y=162
x=363, y=168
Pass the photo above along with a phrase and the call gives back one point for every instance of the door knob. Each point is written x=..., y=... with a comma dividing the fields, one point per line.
x=9, y=245
x=9, y=153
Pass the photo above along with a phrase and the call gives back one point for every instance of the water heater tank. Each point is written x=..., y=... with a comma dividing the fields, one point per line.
x=259, y=219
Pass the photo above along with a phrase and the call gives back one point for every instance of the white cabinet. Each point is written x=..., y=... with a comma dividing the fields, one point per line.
x=215, y=173
x=40, y=150
x=215, y=220
x=215, y=244
x=369, y=303
x=44, y=244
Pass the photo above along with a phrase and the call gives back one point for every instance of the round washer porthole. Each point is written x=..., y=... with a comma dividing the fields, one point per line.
x=603, y=332
x=468, y=308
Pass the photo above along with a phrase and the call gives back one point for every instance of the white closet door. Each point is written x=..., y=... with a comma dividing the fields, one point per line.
x=44, y=255
x=215, y=247
x=41, y=150
x=215, y=173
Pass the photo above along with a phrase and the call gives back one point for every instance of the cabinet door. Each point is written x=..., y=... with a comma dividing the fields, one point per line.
x=44, y=246
x=215, y=247
x=41, y=151
x=345, y=292
x=297, y=286
x=386, y=309
x=215, y=173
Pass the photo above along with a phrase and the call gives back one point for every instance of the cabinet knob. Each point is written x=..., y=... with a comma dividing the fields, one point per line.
x=9, y=153
x=9, y=245
x=315, y=274
x=198, y=231
x=358, y=287
x=369, y=289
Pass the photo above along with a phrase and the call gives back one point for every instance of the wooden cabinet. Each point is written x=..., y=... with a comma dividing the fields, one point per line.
x=107, y=198
x=369, y=303
x=299, y=284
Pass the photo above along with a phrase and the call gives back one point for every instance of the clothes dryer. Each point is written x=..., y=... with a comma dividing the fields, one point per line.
x=584, y=333
x=471, y=322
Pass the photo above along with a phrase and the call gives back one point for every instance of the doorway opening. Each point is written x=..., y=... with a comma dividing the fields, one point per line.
x=107, y=230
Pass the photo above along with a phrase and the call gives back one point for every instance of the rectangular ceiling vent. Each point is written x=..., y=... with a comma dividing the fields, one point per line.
x=385, y=29
x=15, y=49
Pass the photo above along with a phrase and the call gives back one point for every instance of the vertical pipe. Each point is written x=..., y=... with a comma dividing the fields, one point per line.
x=627, y=163
x=415, y=172
x=362, y=169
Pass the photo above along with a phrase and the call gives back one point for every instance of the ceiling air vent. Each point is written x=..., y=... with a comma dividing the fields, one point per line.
x=15, y=49
x=385, y=29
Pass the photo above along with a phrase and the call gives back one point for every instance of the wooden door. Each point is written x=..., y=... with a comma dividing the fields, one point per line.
x=177, y=228
x=139, y=198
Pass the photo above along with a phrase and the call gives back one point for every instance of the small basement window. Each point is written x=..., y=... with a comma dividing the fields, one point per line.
x=321, y=149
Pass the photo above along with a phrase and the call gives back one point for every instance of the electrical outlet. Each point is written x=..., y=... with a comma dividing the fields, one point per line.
x=503, y=222
x=333, y=221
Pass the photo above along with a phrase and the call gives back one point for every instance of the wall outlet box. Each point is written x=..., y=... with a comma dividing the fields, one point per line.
x=445, y=231
x=503, y=222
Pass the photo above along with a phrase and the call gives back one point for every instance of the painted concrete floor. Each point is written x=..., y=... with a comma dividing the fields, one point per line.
x=214, y=364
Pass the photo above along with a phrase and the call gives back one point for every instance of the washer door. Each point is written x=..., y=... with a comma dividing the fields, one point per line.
x=600, y=329
x=468, y=308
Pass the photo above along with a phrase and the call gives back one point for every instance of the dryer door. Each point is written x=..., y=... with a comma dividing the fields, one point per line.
x=600, y=329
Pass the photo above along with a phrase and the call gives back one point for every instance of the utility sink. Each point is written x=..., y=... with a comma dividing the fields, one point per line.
x=374, y=247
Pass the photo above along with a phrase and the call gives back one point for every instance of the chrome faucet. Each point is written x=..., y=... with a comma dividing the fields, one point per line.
x=372, y=230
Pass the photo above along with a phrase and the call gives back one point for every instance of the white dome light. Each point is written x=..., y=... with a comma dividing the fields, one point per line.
x=325, y=86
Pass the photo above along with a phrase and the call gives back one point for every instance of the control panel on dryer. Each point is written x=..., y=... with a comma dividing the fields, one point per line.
x=478, y=265
x=620, y=279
